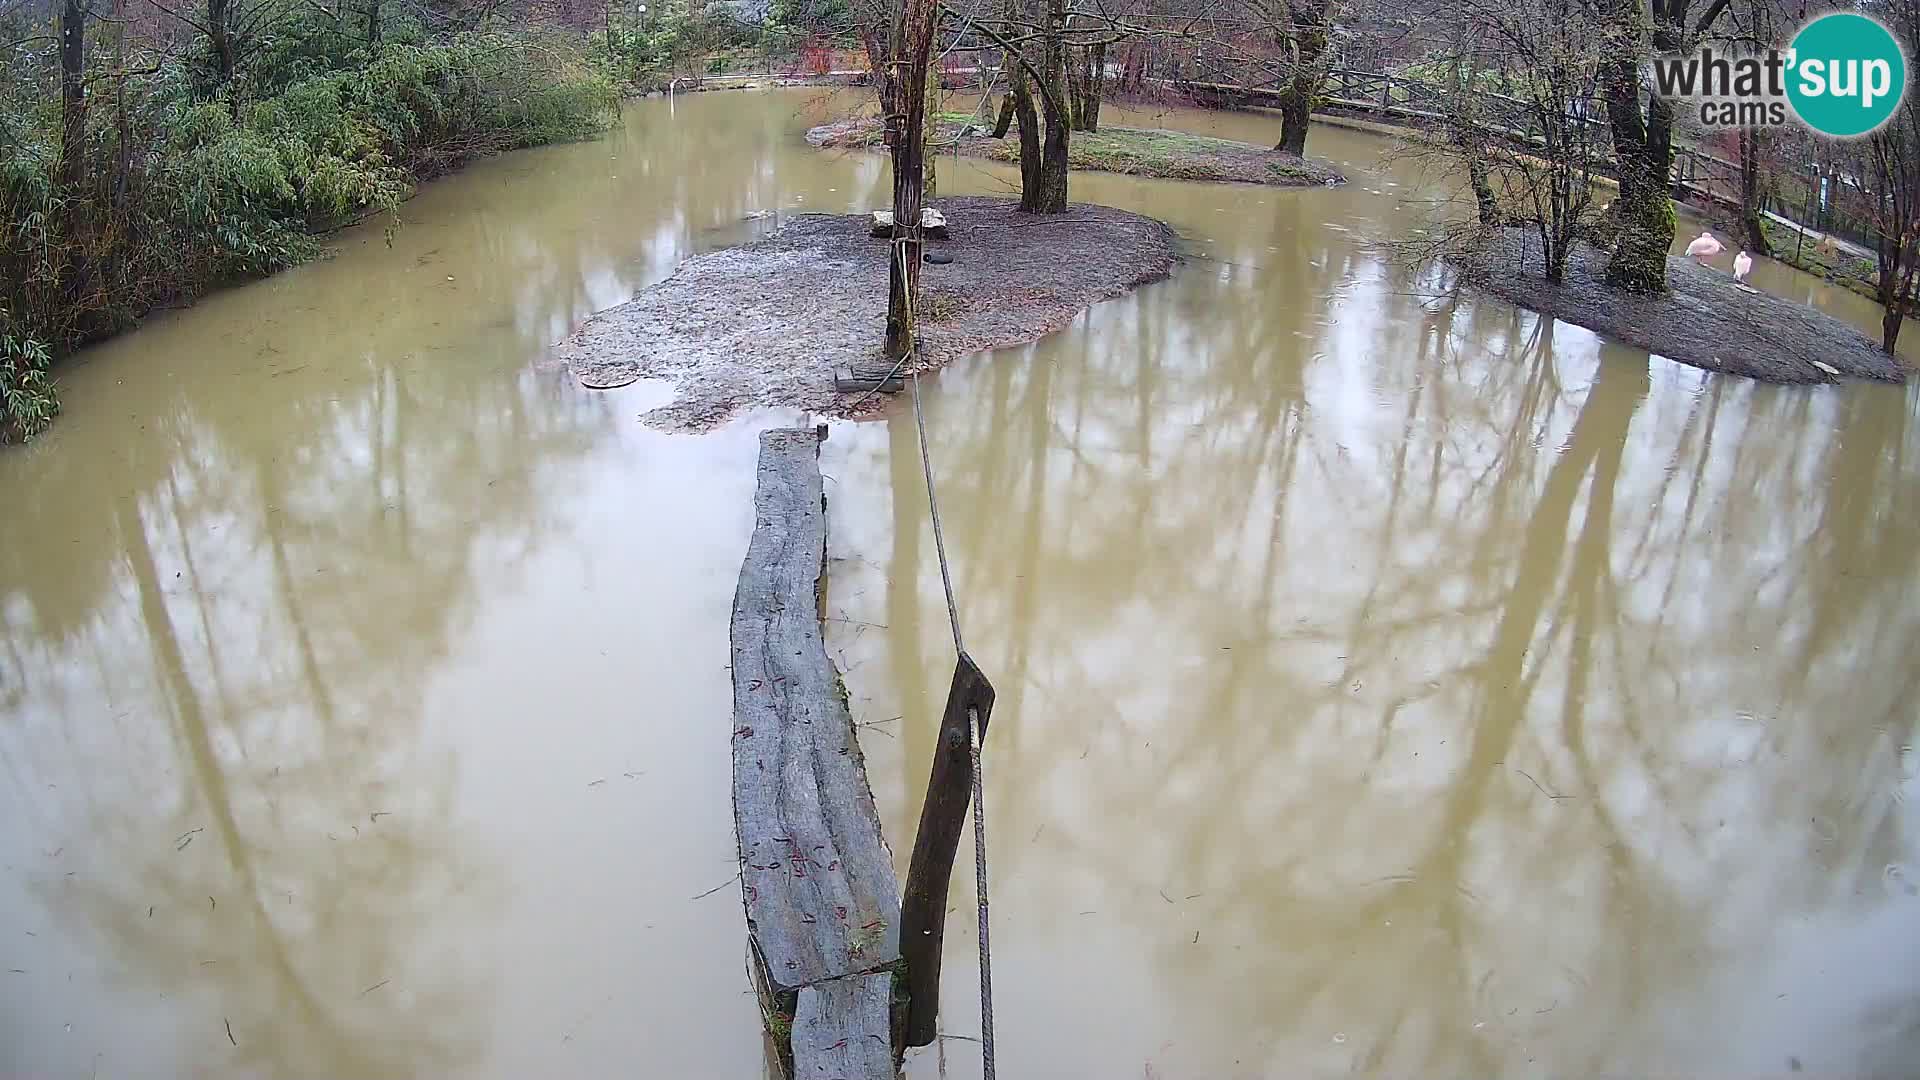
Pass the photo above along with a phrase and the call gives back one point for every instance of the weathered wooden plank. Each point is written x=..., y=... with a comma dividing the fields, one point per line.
x=942, y=813
x=820, y=893
x=841, y=1029
x=859, y=378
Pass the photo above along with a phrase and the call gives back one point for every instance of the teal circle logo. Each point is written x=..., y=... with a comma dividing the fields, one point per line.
x=1846, y=75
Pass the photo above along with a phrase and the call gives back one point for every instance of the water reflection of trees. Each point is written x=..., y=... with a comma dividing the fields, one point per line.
x=228, y=632
x=227, y=608
x=1577, y=672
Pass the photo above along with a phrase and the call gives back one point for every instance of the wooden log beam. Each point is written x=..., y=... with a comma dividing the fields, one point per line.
x=840, y=1028
x=923, y=912
x=862, y=378
x=816, y=878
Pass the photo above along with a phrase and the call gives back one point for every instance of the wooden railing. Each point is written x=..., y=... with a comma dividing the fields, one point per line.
x=1416, y=102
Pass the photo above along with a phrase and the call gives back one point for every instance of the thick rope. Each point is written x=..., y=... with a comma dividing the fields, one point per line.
x=980, y=893
x=973, y=729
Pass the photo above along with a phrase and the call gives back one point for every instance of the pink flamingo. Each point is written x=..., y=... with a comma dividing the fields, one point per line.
x=1704, y=247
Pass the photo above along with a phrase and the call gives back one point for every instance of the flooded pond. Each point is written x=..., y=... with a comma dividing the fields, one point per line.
x=1388, y=683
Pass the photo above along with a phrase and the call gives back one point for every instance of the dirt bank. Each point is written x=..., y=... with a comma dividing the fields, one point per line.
x=1706, y=320
x=1174, y=155
x=768, y=322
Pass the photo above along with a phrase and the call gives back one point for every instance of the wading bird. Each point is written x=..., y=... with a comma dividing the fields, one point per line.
x=1742, y=266
x=1704, y=247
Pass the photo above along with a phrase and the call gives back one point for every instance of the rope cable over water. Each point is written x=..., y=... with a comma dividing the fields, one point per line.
x=973, y=715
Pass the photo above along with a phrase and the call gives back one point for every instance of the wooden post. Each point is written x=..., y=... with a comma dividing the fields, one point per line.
x=923, y=910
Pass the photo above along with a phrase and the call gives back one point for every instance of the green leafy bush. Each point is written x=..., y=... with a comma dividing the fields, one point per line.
x=27, y=400
x=183, y=192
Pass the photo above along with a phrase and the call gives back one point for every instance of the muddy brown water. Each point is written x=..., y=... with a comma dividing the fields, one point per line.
x=1387, y=684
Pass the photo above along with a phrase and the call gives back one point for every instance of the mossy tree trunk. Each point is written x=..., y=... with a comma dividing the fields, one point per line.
x=1486, y=206
x=1643, y=156
x=1469, y=143
x=1050, y=196
x=1643, y=134
x=1305, y=41
x=1021, y=90
x=929, y=137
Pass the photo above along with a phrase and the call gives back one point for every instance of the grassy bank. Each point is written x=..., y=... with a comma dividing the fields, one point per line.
x=1173, y=155
x=183, y=185
x=1847, y=271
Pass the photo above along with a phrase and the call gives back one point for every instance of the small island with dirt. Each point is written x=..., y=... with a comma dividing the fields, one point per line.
x=1706, y=319
x=1173, y=155
x=766, y=324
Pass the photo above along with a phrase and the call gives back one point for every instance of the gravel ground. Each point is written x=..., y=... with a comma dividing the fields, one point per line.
x=766, y=324
x=1172, y=155
x=1705, y=320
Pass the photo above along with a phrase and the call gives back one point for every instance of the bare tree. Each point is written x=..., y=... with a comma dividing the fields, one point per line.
x=1892, y=159
x=1754, y=24
x=1753, y=149
x=1088, y=76
x=1527, y=151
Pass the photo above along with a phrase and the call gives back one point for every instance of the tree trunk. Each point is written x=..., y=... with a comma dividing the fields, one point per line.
x=1643, y=151
x=73, y=95
x=1095, y=87
x=74, y=199
x=1751, y=143
x=1133, y=68
x=1896, y=276
x=1023, y=106
x=912, y=44
x=220, y=39
x=1487, y=205
x=1052, y=179
x=1076, y=86
x=1554, y=254
x=1643, y=139
x=1309, y=47
x=1005, y=123
x=373, y=24
x=879, y=49
x=1296, y=112
x=930, y=134
x=1049, y=190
